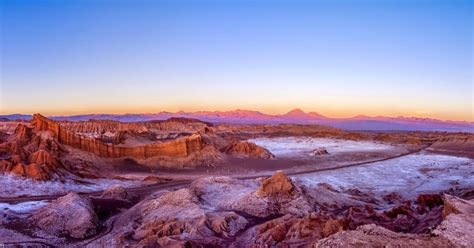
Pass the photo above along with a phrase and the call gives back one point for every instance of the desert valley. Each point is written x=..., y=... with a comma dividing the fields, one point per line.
x=182, y=182
x=236, y=123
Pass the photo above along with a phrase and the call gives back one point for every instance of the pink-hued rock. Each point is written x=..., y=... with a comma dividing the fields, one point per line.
x=458, y=223
x=278, y=184
x=117, y=192
x=376, y=236
x=71, y=216
x=276, y=195
x=248, y=149
x=319, y=152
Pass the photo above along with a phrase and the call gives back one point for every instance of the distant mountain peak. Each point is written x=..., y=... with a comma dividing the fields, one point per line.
x=295, y=116
x=300, y=114
x=316, y=114
x=296, y=111
x=362, y=117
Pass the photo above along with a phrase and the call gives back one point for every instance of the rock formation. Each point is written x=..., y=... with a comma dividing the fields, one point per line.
x=116, y=192
x=176, y=148
x=272, y=212
x=456, y=143
x=175, y=218
x=43, y=157
x=372, y=235
x=278, y=184
x=40, y=148
x=288, y=231
x=248, y=149
x=319, y=151
x=69, y=216
x=454, y=231
x=30, y=154
x=181, y=147
x=277, y=195
x=97, y=128
x=458, y=223
x=33, y=171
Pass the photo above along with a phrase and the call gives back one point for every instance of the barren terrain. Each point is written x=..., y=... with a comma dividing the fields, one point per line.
x=184, y=182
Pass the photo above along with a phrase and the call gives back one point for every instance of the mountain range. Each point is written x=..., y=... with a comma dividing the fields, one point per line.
x=296, y=116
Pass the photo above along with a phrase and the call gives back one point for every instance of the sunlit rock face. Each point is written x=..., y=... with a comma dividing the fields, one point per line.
x=278, y=184
x=248, y=149
x=31, y=154
x=178, y=148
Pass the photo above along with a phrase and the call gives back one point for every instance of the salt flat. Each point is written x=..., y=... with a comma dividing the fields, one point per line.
x=409, y=175
x=298, y=146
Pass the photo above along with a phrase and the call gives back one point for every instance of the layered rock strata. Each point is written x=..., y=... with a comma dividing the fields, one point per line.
x=177, y=148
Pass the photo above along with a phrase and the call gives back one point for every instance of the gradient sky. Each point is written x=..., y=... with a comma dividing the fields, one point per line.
x=339, y=58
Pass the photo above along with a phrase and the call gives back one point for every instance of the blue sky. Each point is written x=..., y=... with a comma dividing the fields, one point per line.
x=339, y=58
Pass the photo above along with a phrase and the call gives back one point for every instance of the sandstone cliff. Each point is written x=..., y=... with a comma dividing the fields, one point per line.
x=181, y=147
x=29, y=154
x=98, y=127
x=41, y=148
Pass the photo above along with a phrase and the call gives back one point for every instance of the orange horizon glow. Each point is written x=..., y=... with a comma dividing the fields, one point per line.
x=271, y=110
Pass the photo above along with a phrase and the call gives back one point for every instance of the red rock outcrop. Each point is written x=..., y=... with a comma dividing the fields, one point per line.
x=43, y=157
x=45, y=142
x=15, y=159
x=22, y=132
x=30, y=154
x=277, y=195
x=248, y=149
x=33, y=171
x=15, y=143
x=97, y=127
x=177, y=148
x=22, y=161
x=5, y=165
x=278, y=184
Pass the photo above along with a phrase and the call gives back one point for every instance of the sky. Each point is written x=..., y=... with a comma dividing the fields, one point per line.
x=339, y=58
